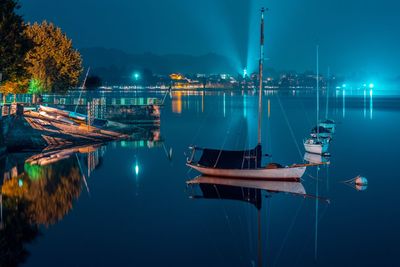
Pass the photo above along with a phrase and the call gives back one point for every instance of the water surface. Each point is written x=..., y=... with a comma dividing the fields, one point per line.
x=127, y=203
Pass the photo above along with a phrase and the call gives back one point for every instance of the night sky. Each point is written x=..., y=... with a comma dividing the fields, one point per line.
x=354, y=35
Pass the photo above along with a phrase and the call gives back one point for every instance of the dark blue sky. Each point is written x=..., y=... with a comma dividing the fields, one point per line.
x=354, y=35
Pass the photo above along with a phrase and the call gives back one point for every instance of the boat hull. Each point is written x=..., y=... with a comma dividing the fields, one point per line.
x=278, y=174
x=316, y=148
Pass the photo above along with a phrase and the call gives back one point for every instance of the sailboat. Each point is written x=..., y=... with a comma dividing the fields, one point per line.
x=245, y=164
x=328, y=124
x=316, y=144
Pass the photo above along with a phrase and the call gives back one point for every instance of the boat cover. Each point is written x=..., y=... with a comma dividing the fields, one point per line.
x=227, y=159
x=249, y=195
x=328, y=121
x=321, y=130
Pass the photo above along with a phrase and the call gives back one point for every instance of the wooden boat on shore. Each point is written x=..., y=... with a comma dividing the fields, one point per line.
x=61, y=112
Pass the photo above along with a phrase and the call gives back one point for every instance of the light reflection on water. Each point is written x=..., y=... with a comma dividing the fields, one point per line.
x=134, y=207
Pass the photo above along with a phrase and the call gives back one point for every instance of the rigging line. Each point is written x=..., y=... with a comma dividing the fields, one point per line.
x=266, y=213
x=288, y=232
x=82, y=88
x=83, y=175
x=289, y=126
x=228, y=222
x=223, y=144
x=306, y=114
x=241, y=223
x=312, y=177
x=217, y=251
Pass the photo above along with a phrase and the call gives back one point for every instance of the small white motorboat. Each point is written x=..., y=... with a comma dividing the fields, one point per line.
x=316, y=146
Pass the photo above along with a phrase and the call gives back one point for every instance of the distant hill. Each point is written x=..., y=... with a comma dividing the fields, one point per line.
x=116, y=66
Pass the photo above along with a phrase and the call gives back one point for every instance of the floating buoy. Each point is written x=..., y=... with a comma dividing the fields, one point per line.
x=360, y=183
x=361, y=187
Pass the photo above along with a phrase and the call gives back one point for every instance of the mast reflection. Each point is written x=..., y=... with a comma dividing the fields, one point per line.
x=249, y=191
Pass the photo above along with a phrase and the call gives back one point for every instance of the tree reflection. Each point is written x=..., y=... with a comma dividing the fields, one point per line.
x=49, y=191
x=16, y=231
x=41, y=195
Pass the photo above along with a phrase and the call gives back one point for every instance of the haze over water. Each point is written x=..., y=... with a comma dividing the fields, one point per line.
x=137, y=211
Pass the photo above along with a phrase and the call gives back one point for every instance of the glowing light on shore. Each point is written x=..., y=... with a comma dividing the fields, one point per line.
x=136, y=76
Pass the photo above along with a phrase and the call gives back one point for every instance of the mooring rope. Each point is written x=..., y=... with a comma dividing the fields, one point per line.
x=288, y=232
x=289, y=126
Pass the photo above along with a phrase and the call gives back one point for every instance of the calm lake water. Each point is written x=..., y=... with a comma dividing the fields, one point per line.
x=127, y=203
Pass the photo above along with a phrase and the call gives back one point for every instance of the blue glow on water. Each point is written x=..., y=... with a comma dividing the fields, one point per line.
x=344, y=103
x=371, y=104
x=365, y=103
x=224, y=103
x=244, y=105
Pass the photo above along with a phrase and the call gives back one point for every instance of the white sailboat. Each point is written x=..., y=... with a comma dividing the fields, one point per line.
x=316, y=144
x=245, y=164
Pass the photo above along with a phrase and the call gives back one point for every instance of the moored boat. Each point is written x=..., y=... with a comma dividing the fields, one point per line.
x=288, y=173
x=246, y=164
x=318, y=143
x=316, y=146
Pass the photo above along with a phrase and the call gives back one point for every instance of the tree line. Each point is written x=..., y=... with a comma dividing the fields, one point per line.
x=35, y=58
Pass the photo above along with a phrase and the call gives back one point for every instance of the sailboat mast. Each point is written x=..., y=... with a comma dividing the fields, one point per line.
x=82, y=88
x=317, y=92
x=261, y=76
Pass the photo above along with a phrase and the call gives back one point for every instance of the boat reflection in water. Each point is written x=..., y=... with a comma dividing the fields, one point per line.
x=316, y=158
x=250, y=191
